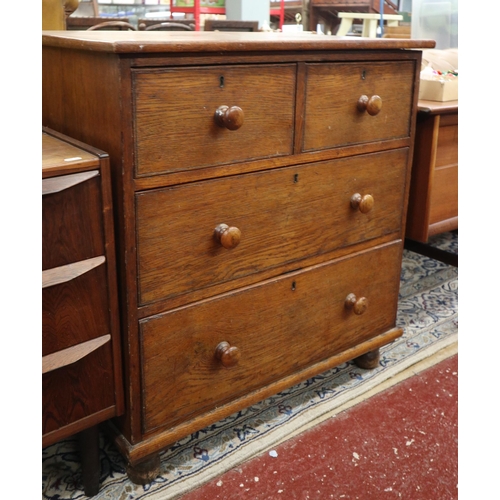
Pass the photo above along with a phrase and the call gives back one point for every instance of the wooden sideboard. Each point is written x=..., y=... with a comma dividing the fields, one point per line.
x=82, y=383
x=433, y=202
x=260, y=186
x=327, y=11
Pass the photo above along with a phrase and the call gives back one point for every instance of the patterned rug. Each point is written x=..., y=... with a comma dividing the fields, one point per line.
x=428, y=312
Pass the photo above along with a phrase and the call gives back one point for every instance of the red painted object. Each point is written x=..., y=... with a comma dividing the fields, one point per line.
x=401, y=443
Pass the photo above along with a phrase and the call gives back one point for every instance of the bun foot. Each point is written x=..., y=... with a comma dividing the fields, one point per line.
x=369, y=360
x=144, y=472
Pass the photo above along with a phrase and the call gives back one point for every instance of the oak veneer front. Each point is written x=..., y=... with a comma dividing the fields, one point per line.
x=274, y=325
x=284, y=215
x=330, y=116
x=174, y=115
x=260, y=184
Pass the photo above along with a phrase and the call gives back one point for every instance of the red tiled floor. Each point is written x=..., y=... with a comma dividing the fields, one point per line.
x=401, y=443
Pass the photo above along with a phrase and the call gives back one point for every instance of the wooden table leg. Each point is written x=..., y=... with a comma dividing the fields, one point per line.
x=89, y=453
x=345, y=26
x=370, y=28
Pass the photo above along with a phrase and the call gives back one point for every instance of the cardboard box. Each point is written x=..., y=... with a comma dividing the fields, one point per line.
x=438, y=90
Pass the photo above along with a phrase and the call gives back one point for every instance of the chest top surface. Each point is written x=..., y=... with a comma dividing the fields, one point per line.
x=225, y=42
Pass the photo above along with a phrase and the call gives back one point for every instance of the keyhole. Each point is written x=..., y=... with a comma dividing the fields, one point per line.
x=293, y=285
x=363, y=75
x=221, y=81
x=296, y=178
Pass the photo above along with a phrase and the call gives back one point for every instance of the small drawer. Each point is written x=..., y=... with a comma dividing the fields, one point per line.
x=75, y=311
x=72, y=219
x=174, y=116
x=334, y=118
x=284, y=215
x=199, y=357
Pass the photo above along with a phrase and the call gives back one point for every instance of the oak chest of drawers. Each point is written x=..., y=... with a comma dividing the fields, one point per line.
x=82, y=382
x=261, y=183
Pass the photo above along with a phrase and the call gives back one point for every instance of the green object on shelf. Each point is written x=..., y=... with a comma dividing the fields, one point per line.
x=406, y=16
x=203, y=3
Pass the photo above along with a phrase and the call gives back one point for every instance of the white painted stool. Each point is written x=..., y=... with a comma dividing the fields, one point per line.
x=370, y=22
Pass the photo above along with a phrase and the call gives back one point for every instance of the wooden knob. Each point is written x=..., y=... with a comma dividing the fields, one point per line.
x=372, y=105
x=357, y=305
x=362, y=203
x=228, y=237
x=227, y=354
x=229, y=117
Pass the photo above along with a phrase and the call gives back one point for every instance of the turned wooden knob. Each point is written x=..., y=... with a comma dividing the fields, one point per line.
x=228, y=237
x=362, y=203
x=227, y=354
x=372, y=105
x=357, y=305
x=229, y=117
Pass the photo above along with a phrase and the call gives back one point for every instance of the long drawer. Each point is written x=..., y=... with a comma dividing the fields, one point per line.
x=333, y=116
x=174, y=114
x=283, y=215
x=198, y=357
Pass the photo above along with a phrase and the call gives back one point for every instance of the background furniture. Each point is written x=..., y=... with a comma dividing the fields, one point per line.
x=403, y=30
x=55, y=13
x=197, y=10
x=226, y=25
x=259, y=242
x=113, y=26
x=168, y=26
x=81, y=363
x=280, y=11
x=93, y=23
x=172, y=25
x=284, y=12
x=327, y=11
x=433, y=203
x=370, y=22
